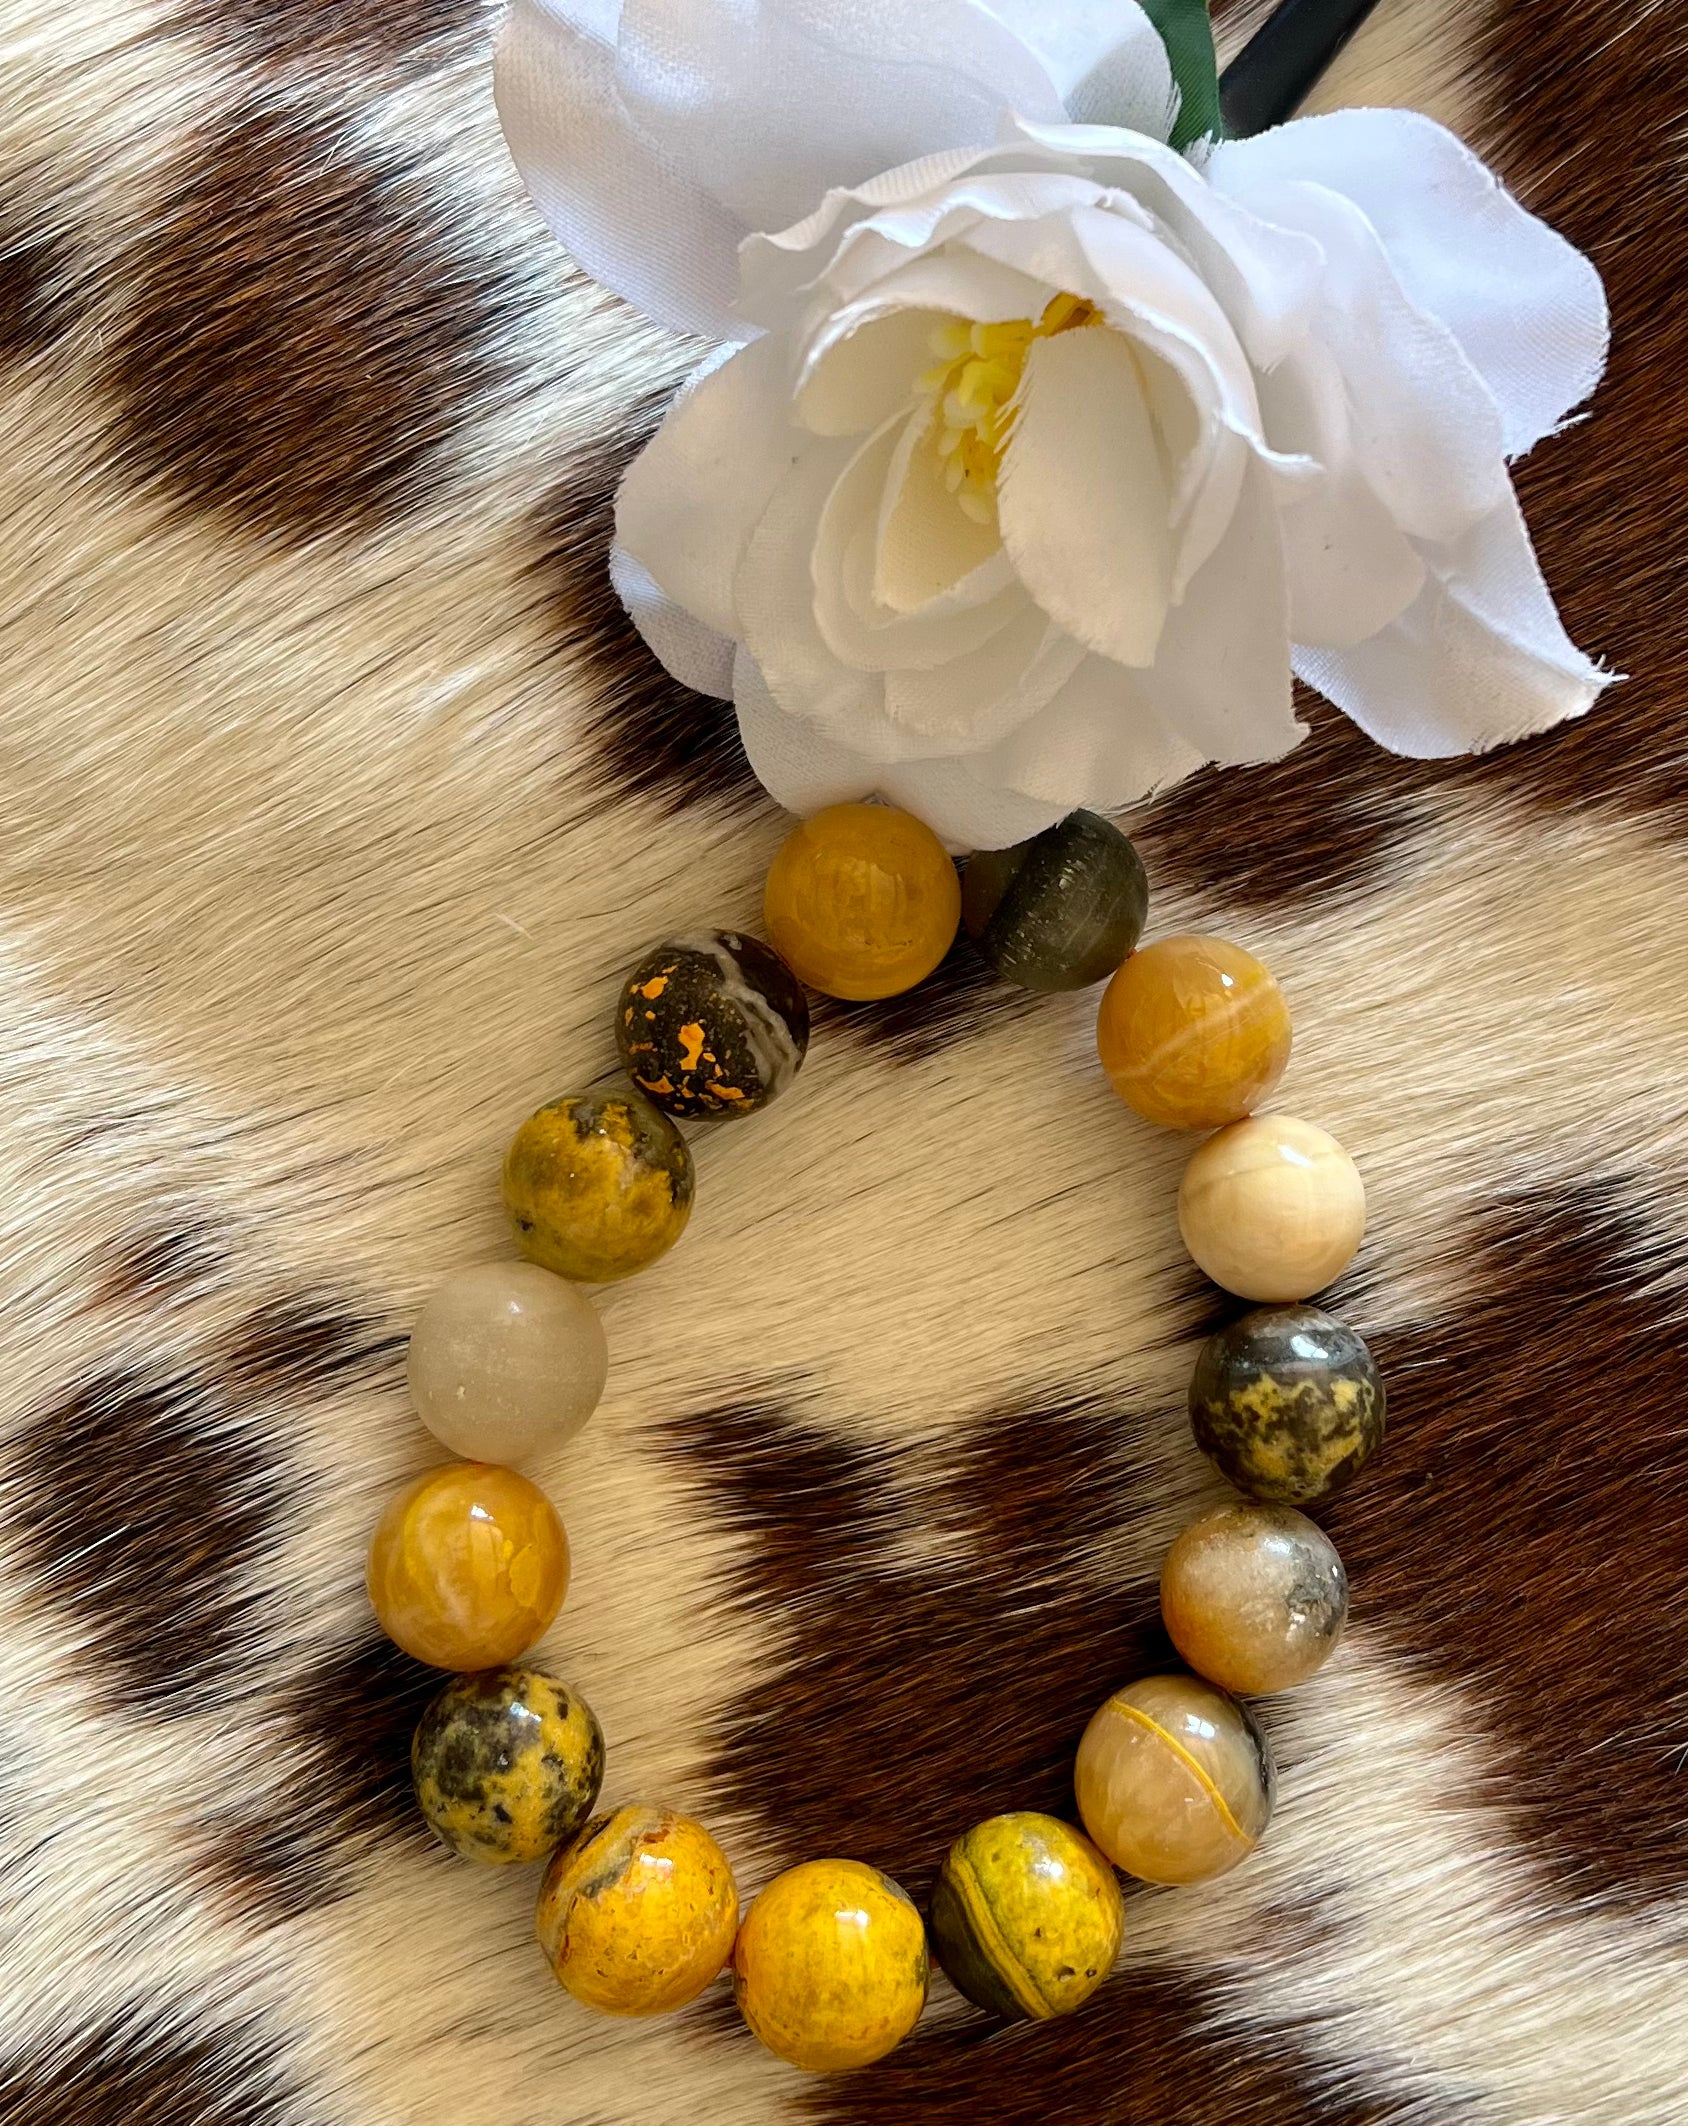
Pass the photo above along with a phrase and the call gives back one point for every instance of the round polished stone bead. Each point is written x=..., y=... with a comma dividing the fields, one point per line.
x=507, y=1764
x=598, y=1186
x=1061, y=911
x=862, y=901
x=1272, y=1208
x=712, y=1025
x=1288, y=1401
x=638, y=1915
x=1254, y=1597
x=507, y=1362
x=1193, y=1032
x=1175, y=1780
x=1027, y=1916
x=468, y=1566
x=830, y=1969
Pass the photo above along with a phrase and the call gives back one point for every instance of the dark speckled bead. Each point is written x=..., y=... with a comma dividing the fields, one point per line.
x=507, y=1764
x=1061, y=911
x=1288, y=1402
x=712, y=1025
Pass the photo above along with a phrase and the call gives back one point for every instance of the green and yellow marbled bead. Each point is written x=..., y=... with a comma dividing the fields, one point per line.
x=1288, y=1401
x=598, y=1185
x=507, y=1764
x=1027, y=1916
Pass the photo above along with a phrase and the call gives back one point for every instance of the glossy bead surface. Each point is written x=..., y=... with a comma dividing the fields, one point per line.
x=1272, y=1209
x=1254, y=1597
x=598, y=1186
x=830, y=1969
x=638, y=1915
x=712, y=1025
x=1175, y=1780
x=1193, y=1032
x=1289, y=1403
x=468, y=1566
x=862, y=901
x=506, y=1362
x=1027, y=1916
x=1061, y=911
x=507, y=1764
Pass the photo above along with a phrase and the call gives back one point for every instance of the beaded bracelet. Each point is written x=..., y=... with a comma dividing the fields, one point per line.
x=638, y=1911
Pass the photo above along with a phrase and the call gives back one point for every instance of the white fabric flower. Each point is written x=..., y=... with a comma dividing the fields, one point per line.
x=1055, y=455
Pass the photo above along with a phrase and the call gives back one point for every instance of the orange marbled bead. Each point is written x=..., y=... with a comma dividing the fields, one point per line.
x=862, y=901
x=468, y=1566
x=1194, y=1032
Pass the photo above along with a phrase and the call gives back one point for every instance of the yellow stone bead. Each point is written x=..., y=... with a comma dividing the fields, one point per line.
x=1026, y=1916
x=468, y=1566
x=1174, y=1780
x=598, y=1185
x=1193, y=1032
x=639, y=1914
x=1272, y=1209
x=862, y=901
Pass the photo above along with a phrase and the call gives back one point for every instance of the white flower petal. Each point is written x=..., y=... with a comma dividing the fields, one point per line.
x=926, y=545
x=973, y=702
x=696, y=492
x=1526, y=306
x=1099, y=744
x=693, y=653
x=797, y=765
x=964, y=808
x=1479, y=659
x=1083, y=496
x=1105, y=57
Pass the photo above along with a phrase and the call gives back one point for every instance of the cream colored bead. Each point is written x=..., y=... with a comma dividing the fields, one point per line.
x=507, y=1362
x=1272, y=1208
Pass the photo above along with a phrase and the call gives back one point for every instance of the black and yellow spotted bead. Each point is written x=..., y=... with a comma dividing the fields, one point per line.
x=1027, y=1916
x=598, y=1185
x=712, y=1025
x=1289, y=1403
x=507, y=1764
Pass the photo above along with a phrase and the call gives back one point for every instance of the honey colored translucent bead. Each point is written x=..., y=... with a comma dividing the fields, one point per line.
x=1175, y=1780
x=862, y=901
x=1193, y=1032
x=1027, y=1916
x=598, y=1186
x=830, y=1969
x=639, y=1914
x=506, y=1362
x=1272, y=1209
x=468, y=1566
x=1254, y=1597
x=507, y=1763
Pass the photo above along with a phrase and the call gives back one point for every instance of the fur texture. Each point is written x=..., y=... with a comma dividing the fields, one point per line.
x=336, y=796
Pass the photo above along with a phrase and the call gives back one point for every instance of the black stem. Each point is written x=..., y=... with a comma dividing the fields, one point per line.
x=1277, y=69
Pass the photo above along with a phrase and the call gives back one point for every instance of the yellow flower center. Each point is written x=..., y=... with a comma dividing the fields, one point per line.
x=974, y=386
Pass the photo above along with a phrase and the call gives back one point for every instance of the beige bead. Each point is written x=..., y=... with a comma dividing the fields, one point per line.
x=507, y=1362
x=1272, y=1208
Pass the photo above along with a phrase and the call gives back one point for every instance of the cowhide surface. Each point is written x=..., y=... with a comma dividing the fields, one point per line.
x=334, y=794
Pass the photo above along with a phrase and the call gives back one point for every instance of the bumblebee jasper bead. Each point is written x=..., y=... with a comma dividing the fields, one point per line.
x=1272, y=1208
x=1254, y=1597
x=468, y=1566
x=712, y=1025
x=862, y=901
x=1060, y=911
x=830, y=1967
x=506, y=1362
x=1175, y=1780
x=598, y=1185
x=638, y=1915
x=1027, y=1916
x=1289, y=1403
x=1193, y=1032
x=507, y=1764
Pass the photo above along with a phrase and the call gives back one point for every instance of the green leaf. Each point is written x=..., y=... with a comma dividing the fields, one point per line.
x=1188, y=36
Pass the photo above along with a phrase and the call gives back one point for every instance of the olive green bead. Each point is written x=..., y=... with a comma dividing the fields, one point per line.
x=1061, y=911
x=1027, y=1916
x=598, y=1186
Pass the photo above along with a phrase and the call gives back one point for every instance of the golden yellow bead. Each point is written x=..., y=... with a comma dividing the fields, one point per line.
x=862, y=901
x=830, y=1968
x=598, y=1185
x=1026, y=1916
x=1193, y=1032
x=639, y=1914
x=468, y=1566
x=1272, y=1209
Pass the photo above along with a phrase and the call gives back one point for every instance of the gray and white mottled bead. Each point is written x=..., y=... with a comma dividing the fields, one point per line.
x=507, y=1362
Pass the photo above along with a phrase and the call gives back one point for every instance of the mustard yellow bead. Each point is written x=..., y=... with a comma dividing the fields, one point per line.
x=1027, y=1916
x=639, y=1914
x=468, y=1566
x=598, y=1185
x=830, y=1968
x=1193, y=1032
x=1272, y=1209
x=862, y=901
